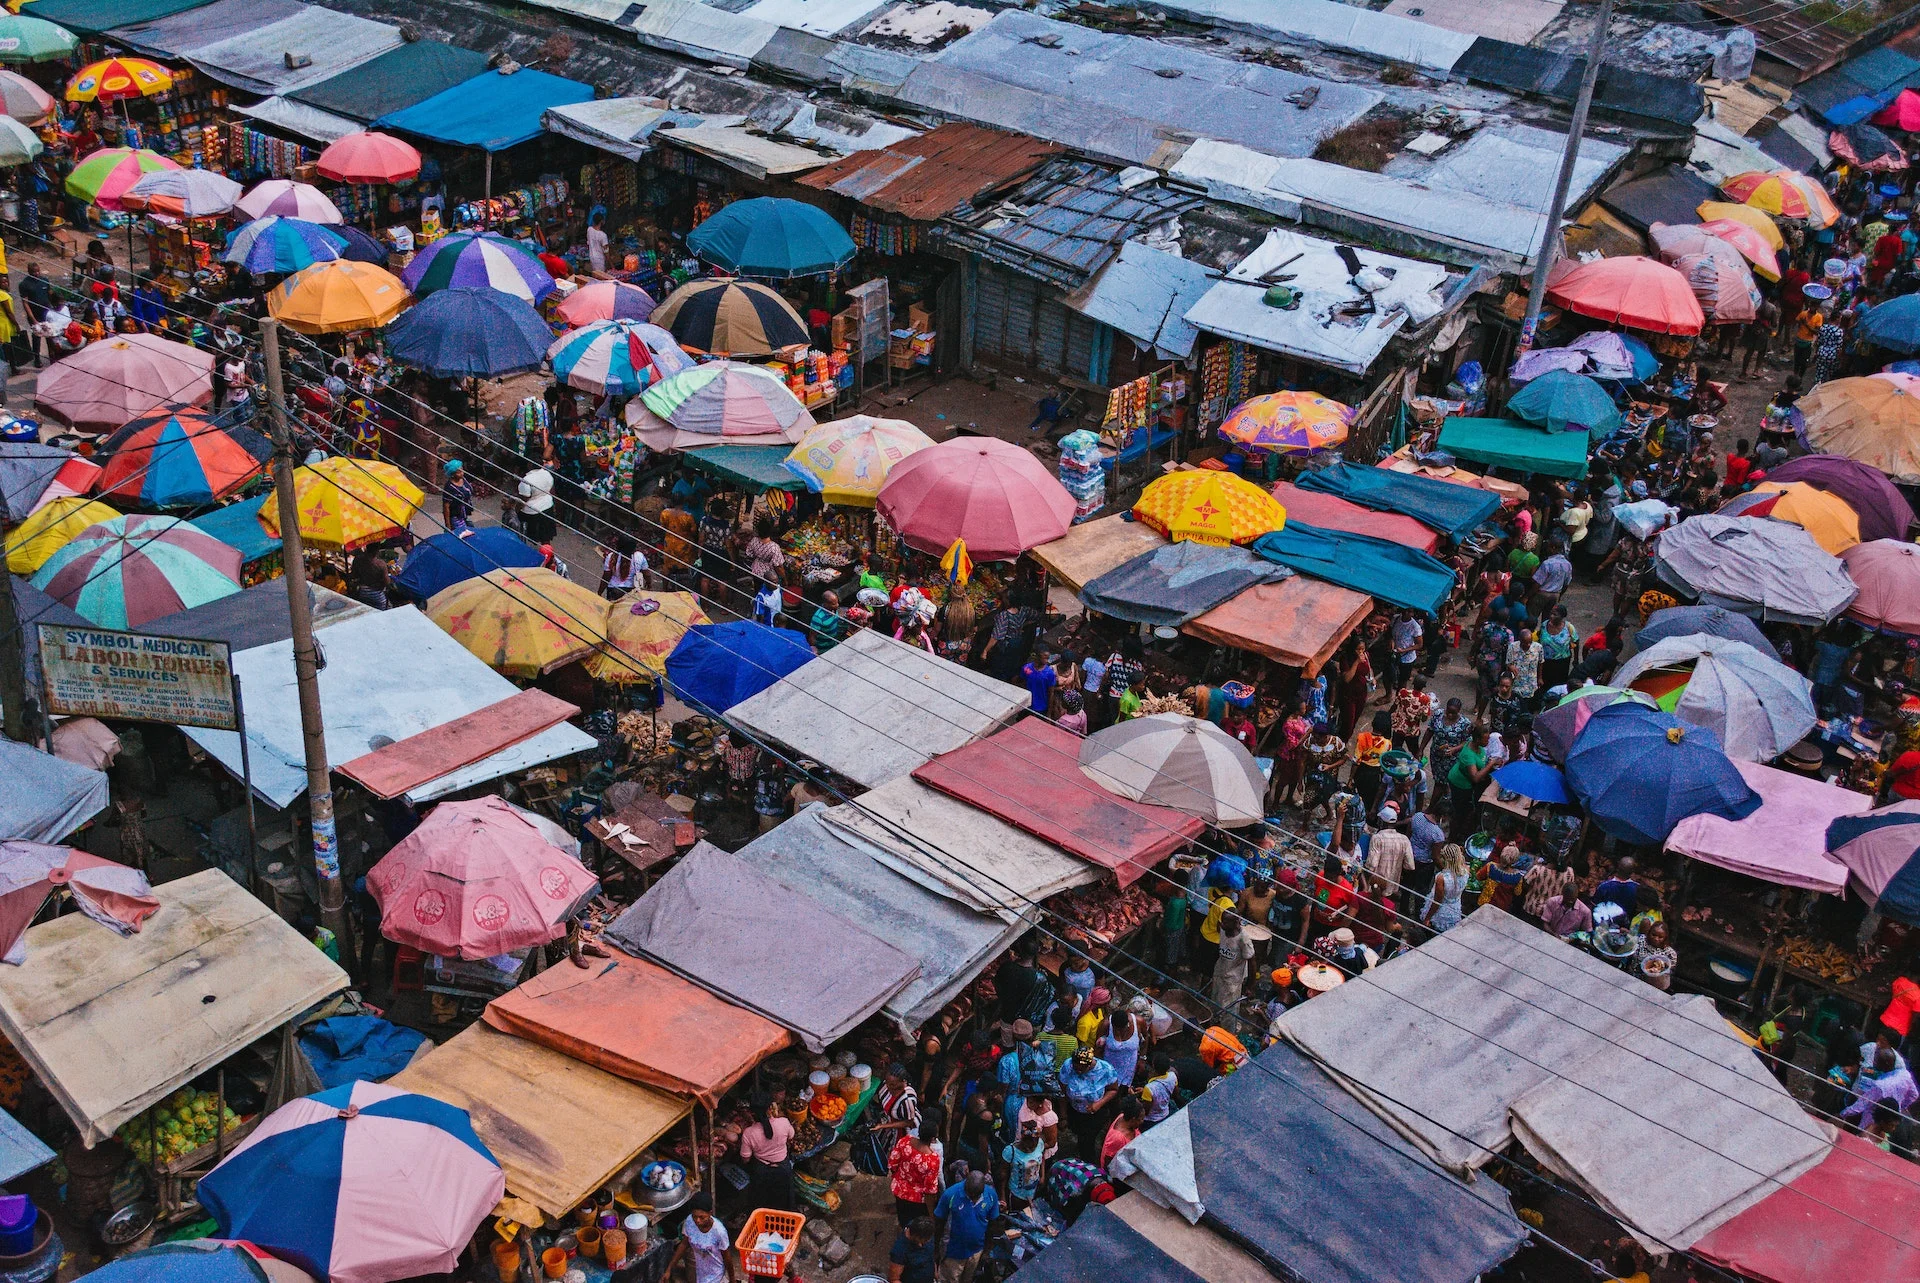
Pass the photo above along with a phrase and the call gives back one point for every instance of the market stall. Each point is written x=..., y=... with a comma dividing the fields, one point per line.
x=1175, y=583
x=1452, y=509
x=1332, y=513
x=1093, y=548
x=1300, y=622
x=1403, y=461
x=1390, y=572
x=753, y=468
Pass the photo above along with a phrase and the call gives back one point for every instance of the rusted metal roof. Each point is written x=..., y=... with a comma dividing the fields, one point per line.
x=930, y=176
x=1807, y=45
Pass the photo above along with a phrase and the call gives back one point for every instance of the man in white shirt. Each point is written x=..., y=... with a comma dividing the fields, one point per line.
x=597, y=244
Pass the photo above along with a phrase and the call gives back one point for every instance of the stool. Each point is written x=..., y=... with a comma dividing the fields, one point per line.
x=409, y=970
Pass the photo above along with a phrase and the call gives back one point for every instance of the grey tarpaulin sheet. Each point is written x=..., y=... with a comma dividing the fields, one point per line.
x=1645, y=1100
x=873, y=708
x=179, y=34
x=1180, y=582
x=952, y=942
x=1102, y=1248
x=736, y=932
x=33, y=607
x=1376, y=1209
x=44, y=798
x=26, y=469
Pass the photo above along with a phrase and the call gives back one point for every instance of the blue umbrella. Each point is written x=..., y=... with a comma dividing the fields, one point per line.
x=716, y=666
x=361, y=248
x=1715, y=621
x=197, y=1260
x=1903, y=367
x=276, y=244
x=462, y=332
x=1639, y=771
x=1894, y=324
x=1561, y=401
x=446, y=560
x=1536, y=780
x=769, y=236
x=1645, y=363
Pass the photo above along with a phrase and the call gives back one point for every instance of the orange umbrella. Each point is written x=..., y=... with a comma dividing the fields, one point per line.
x=1633, y=291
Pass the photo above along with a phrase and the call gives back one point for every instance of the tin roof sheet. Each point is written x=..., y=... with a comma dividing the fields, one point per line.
x=930, y=176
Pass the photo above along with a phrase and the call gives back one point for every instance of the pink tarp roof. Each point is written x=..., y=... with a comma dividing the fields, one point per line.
x=1029, y=776
x=1330, y=512
x=1785, y=841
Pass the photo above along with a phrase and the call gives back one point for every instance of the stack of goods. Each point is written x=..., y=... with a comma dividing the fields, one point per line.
x=528, y=426
x=1226, y=378
x=1103, y=913
x=613, y=183
x=1081, y=473
x=182, y=1123
x=647, y=738
x=816, y=377
x=259, y=153
x=884, y=238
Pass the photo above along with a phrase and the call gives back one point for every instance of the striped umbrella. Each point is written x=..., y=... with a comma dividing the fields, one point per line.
x=23, y=100
x=289, y=199
x=730, y=318
x=368, y=157
x=347, y=503
x=121, y=573
x=29, y=39
x=478, y=260
x=724, y=398
x=1785, y=193
x=605, y=301
x=1187, y=763
x=620, y=358
x=359, y=1184
x=105, y=176
x=118, y=78
x=1288, y=421
x=182, y=193
x=522, y=623
x=180, y=457
x=277, y=244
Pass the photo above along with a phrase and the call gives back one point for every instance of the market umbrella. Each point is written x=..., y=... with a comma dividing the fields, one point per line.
x=1288, y=421
x=1753, y=245
x=772, y=236
x=200, y=1260
x=990, y=495
x=1902, y=113
x=332, y=298
x=1617, y=356
x=347, y=503
x=359, y=1184
x=1759, y=220
x=108, y=383
x=618, y=358
x=114, y=895
x=1208, y=507
x=24, y=101
x=1767, y=569
x=605, y=301
x=28, y=39
x=1883, y=511
x=179, y=457
x=1827, y=517
x=1541, y=360
x=1556, y=728
x=77, y=476
x=478, y=260
x=18, y=144
x=1714, y=621
x=1639, y=771
x=182, y=193
x=716, y=666
x=368, y=157
x=1887, y=572
x=662, y=437
x=1881, y=850
x=1894, y=324
x=1867, y=147
x=288, y=199
x=276, y=244
x=48, y=529
x=1874, y=419
x=447, y=559
x=123, y=572
x=522, y=623
x=27, y=468
x=1562, y=402
x=1186, y=763
x=1536, y=780
x=849, y=460
x=730, y=318
x=117, y=79
x=1722, y=284
x=460, y=332
x=728, y=399
x=1785, y=193
x=1757, y=706
x=642, y=630
x=475, y=880
x=1633, y=291
x=361, y=248
x=104, y=176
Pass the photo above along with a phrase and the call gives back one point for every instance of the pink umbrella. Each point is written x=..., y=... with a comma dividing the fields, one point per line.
x=111, y=894
x=991, y=494
x=107, y=384
x=1887, y=572
x=1722, y=283
x=1752, y=245
x=606, y=301
x=23, y=100
x=477, y=879
x=369, y=157
x=288, y=199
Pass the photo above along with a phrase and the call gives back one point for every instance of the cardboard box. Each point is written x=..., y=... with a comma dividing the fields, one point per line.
x=918, y=318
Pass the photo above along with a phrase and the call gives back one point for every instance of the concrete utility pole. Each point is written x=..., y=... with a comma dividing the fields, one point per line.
x=1550, y=242
x=14, y=641
x=306, y=655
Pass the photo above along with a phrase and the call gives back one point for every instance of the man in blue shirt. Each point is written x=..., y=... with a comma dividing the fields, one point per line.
x=1426, y=833
x=1090, y=1085
x=963, y=1214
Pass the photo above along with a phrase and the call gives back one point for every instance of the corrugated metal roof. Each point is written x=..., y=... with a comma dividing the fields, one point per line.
x=930, y=176
x=1517, y=20
x=818, y=17
x=750, y=153
x=1797, y=143
x=702, y=31
x=1334, y=25
x=1807, y=45
x=1860, y=86
x=182, y=33
x=622, y=126
x=396, y=79
x=1145, y=294
x=298, y=118
x=328, y=42
x=1620, y=91
x=1671, y=195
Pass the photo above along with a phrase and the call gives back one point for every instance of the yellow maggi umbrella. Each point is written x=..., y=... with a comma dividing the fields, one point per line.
x=337, y=296
x=847, y=461
x=1207, y=506
x=348, y=503
x=521, y=622
x=1759, y=220
x=642, y=630
x=50, y=528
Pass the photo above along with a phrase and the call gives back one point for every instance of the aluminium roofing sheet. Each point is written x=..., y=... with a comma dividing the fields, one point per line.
x=324, y=41
x=183, y=32
x=96, y=17
x=1806, y=45
x=1524, y=69
x=933, y=174
x=1670, y=195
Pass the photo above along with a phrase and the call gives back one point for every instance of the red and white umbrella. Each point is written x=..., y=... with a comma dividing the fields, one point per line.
x=111, y=894
x=369, y=157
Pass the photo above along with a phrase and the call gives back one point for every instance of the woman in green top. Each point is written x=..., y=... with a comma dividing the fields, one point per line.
x=1468, y=777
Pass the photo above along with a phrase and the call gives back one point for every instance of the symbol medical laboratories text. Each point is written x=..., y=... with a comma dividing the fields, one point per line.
x=97, y=672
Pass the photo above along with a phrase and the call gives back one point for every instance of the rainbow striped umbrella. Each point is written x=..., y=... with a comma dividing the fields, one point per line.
x=478, y=260
x=124, y=572
x=1288, y=421
x=105, y=176
x=621, y=358
x=727, y=399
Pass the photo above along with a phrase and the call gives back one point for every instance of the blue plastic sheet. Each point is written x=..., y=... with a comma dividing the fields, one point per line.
x=716, y=666
x=346, y=1049
x=492, y=111
x=1102, y=1248
x=446, y=560
x=1453, y=510
x=1388, y=571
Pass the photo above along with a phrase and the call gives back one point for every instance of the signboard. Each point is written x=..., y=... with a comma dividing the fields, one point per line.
x=97, y=672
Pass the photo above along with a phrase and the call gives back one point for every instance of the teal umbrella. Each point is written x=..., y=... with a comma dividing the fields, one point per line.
x=1561, y=401
x=28, y=39
x=768, y=236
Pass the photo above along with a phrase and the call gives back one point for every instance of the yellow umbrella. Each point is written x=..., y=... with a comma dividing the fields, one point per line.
x=521, y=622
x=1830, y=519
x=347, y=503
x=642, y=630
x=50, y=528
x=847, y=461
x=337, y=296
x=1208, y=506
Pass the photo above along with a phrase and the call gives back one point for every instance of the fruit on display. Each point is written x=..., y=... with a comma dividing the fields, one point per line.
x=177, y=1126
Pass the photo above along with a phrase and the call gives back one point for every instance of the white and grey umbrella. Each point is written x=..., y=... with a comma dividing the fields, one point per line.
x=1763, y=568
x=1758, y=706
x=1182, y=762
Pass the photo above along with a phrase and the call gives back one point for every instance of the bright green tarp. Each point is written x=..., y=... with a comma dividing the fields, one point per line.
x=1512, y=444
x=751, y=467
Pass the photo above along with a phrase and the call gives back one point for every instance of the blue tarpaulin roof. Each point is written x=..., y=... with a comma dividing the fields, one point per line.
x=1453, y=510
x=1100, y=1247
x=493, y=111
x=1391, y=572
x=1860, y=86
x=238, y=526
x=394, y=81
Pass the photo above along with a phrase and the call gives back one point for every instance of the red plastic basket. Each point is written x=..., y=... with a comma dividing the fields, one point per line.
x=764, y=1220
